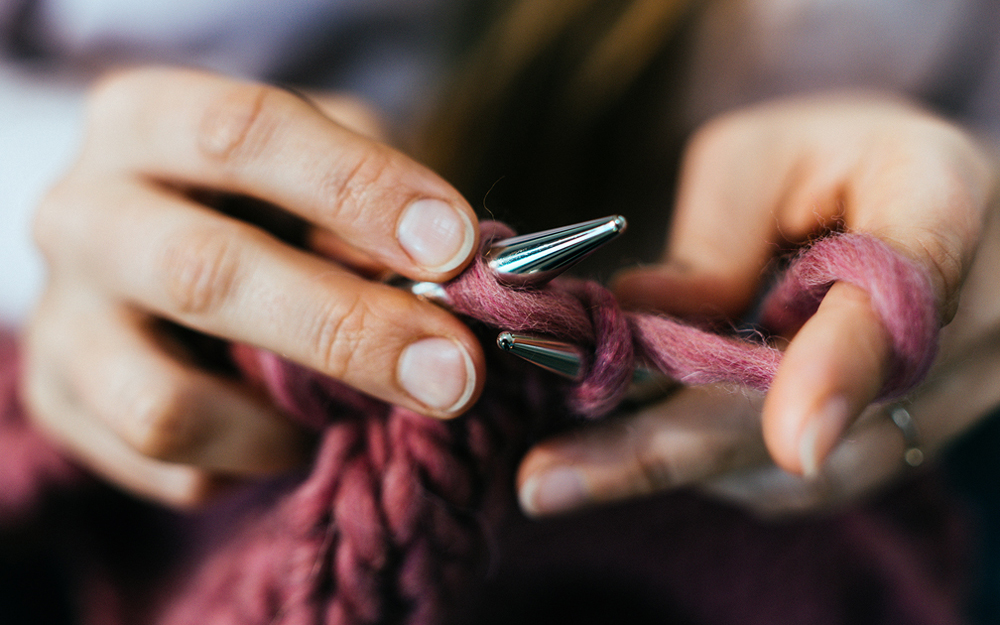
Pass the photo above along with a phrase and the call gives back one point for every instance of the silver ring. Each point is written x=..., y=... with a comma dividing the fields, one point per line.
x=914, y=455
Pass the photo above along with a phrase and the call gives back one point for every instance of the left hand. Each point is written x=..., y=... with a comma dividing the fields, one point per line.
x=752, y=184
x=149, y=237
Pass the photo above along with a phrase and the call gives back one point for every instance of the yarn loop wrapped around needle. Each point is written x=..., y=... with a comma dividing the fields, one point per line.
x=587, y=314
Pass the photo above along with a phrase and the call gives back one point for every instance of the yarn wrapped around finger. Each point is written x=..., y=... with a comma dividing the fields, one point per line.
x=394, y=521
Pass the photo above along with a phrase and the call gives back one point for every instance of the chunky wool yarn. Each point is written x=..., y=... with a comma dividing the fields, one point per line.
x=394, y=522
x=585, y=313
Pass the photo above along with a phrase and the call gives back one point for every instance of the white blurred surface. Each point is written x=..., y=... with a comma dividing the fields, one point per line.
x=40, y=133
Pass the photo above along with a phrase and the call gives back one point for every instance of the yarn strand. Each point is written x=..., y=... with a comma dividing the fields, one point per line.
x=587, y=314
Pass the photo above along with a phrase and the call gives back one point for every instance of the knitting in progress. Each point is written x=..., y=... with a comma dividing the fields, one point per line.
x=396, y=520
x=587, y=314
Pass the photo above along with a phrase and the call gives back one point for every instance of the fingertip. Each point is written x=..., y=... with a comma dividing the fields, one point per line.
x=820, y=434
x=437, y=236
x=552, y=492
x=833, y=368
x=552, y=482
x=527, y=496
x=441, y=374
x=185, y=488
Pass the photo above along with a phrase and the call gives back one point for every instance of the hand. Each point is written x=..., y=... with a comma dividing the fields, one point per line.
x=133, y=241
x=754, y=184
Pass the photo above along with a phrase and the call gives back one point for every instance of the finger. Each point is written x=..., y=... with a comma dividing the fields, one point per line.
x=59, y=415
x=208, y=272
x=833, y=368
x=723, y=232
x=350, y=112
x=203, y=130
x=124, y=375
x=102, y=451
x=699, y=433
x=329, y=245
x=171, y=411
x=869, y=457
x=930, y=204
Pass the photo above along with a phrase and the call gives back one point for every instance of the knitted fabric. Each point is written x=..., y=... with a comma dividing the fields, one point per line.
x=390, y=526
x=394, y=521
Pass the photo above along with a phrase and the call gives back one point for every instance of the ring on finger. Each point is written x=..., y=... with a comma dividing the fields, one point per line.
x=913, y=455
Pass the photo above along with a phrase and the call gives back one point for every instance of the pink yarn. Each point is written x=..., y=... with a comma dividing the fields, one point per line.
x=31, y=466
x=393, y=522
x=586, y=314
x=900, y=292
x=391, y=525
x=672, y=556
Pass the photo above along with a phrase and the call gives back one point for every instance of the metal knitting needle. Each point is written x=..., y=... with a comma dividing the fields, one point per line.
x=534, y=259
x=562, y=358
x=558, y=357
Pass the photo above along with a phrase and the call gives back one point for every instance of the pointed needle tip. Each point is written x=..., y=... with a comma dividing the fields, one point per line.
x=534, y=259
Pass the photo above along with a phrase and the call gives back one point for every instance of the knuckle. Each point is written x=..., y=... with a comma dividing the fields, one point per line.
x=46, y=385
x=240, y=123
x=110, y=92
x=945, y=263
x=337, y=335
x=117, y=96
x=671, y=458
x=157, y=420
x=951, y=249
x=65, y=218
x=201, y=268
x=654, y=466
x=347, y=187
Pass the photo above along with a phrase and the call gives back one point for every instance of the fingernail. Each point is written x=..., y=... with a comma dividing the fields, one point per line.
x=558, y=490
x=436, y=235
x=438, y=373
x=820, y=435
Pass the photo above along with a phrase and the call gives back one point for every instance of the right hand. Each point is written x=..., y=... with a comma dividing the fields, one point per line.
x=858, y=162
x=129, y=245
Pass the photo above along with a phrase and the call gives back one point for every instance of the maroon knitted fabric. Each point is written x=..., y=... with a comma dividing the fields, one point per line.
x=394, y=520
x=390, y=526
